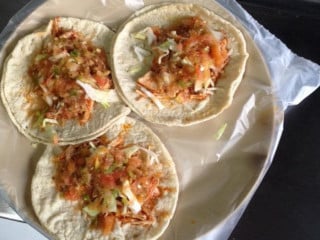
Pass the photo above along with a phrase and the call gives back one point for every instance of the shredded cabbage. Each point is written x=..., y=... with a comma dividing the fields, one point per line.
x=152, y=156
x=102, y=96
x=91, y=210
x=145, y=34
x=169, y=44
x=59, y=56
x=133, y=203
x=48, y=120
x=153, y=98
x=110, y=201
x=129, y=151
x=165, y=47
x=141, y=53
x=166, y=53
x=135, y=69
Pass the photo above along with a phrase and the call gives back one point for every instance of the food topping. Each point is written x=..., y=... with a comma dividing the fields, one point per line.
x=67, y=73
x=111, y=181
x=188, y=59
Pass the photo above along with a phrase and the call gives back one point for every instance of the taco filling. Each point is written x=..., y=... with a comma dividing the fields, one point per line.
x=112, y=182
x=64, y=72
x=187, y=60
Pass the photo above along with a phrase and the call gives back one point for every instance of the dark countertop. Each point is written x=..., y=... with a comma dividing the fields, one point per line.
x=286, y=205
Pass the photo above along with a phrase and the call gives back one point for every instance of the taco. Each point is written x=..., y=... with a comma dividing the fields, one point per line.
x=56, y=84
x=121, y=185
x=178, y=64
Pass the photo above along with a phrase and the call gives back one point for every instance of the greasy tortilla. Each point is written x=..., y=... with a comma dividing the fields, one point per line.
x=64, y=221
x=16, y=81
x=124, y=58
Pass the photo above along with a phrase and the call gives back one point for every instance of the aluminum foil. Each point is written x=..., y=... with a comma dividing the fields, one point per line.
x=218, y=176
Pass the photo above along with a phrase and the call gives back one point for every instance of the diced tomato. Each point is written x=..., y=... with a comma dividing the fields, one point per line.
x=119, y=174
x=101, y=81
x=107, y=181
x=71, y=194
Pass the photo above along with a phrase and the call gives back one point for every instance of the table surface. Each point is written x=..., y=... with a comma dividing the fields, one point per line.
x=286, y=205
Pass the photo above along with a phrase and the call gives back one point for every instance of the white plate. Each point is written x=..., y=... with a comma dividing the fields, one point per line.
x=217, y=177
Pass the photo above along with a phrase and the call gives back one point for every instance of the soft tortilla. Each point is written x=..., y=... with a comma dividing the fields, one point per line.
x=123, y=59
x=15, y=82
x=59, y=217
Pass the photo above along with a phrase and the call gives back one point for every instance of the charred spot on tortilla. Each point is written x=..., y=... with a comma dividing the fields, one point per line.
x=121, y=185
x=68, y=92
x=183, y=63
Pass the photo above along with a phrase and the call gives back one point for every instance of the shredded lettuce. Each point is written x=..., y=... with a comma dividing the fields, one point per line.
x=91, y=210
x=40, y=57
x=109, y=200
